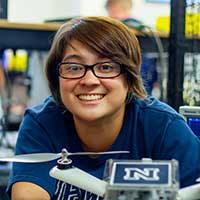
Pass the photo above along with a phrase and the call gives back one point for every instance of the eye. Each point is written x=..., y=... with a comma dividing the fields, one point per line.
x=71, y=67
x=106, y=67
x=74, y=67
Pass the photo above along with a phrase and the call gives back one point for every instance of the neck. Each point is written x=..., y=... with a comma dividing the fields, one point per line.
x=99, y=135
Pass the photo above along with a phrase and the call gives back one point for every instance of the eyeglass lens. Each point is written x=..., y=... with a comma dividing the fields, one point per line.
x=78, y=70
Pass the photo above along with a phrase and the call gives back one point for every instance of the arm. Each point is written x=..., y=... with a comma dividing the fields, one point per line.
x=32, y=138
x=180, y=143
x=28, y=191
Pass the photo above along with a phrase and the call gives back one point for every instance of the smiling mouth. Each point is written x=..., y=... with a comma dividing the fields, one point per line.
x=91, y=97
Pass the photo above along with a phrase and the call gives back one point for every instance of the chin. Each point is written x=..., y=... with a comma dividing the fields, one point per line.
x=89, y=117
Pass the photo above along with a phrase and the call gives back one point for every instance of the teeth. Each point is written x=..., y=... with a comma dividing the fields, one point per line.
x=91, y=97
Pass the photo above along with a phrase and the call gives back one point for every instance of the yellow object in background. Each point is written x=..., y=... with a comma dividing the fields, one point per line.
x=17, y=61
x=192, y=25
x=21, y=59
x=163, y=24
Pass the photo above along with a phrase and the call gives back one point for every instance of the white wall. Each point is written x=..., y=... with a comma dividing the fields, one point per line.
x=148, y=12
x=29, y=10
x=36, y=11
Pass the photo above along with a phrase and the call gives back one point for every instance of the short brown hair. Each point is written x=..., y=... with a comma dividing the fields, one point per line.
x=107, y=37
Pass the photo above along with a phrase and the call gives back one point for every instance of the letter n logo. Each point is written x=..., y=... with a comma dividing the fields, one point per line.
x=148, y=174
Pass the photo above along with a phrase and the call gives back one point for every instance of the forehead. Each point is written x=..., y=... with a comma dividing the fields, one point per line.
x=76, y=49
x=77, y=46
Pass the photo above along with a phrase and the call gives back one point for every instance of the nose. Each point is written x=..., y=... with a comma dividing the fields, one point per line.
x=89, y=78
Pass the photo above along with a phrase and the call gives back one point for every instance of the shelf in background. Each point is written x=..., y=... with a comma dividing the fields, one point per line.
x=26, y=36
x=39, y=36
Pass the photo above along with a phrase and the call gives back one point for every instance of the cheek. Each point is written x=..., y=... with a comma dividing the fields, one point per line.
x=118, y=85
x=62, y=86
x=66, y=84
x=66, y=89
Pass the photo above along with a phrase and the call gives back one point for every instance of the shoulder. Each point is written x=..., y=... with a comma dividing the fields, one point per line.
x=45, y=109
x=47, y=114
x=45, y=120
x=43, y=128
x=151, y=110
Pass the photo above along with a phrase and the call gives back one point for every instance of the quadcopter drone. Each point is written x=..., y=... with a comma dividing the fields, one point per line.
x=66, y=172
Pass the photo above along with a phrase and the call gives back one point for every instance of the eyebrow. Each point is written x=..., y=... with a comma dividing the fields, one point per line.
x=75, y=56
x=72, y=56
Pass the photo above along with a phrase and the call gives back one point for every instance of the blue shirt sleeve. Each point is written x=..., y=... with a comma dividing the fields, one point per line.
x=33, y=138
x=180, y=143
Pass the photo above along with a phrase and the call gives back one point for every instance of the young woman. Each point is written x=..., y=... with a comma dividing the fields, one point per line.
x=98, y=103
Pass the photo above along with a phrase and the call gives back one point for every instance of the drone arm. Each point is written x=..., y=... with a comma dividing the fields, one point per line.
x=81, y=179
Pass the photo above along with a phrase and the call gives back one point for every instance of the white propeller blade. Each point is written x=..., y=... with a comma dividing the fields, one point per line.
x=190, y=192
x=97, y=153
x=81, y=179
x=44, y=157
x=32, y=158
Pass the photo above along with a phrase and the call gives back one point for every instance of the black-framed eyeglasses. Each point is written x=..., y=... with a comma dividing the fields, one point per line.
x=72, y=70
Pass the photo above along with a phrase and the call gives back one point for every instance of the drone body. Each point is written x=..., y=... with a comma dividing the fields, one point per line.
x=142, y=179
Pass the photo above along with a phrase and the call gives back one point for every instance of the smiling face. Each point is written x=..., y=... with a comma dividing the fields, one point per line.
x=90, y=98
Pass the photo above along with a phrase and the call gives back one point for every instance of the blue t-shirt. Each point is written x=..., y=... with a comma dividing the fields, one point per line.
x=151, y=129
